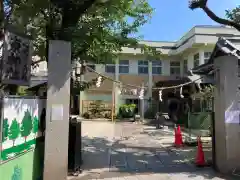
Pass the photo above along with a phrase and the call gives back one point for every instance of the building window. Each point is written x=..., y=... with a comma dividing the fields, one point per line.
x=185, y=65
x=142, y=67
x=124, y=66
x=207, y=56
x=196, y=60
x=92, y=66
x=156, y=67
x=110, y=68
x=175, y=68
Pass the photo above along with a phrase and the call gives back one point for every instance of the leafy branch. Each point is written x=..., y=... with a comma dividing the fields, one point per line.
x=81, y=86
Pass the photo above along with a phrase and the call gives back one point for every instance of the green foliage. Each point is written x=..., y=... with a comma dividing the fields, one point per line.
x=35, y=125
x=14, y=131
x=234, y=14
x=86, y=115
x=26, y=124
x=97, y=35
x=81, y=86
x=127, y=110
x=21, y=91
x=5, y=132
x=206, y=93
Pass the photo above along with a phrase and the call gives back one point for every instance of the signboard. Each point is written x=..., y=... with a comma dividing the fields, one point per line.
x=57, y=112
x=16, y=60
x=20, y=126
x=232, y=115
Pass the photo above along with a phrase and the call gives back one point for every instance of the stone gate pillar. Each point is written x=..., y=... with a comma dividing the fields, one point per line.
x=57, y=113
x=226, y=108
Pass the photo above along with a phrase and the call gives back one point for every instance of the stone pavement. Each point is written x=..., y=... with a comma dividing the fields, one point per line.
x=165, y=137
x=126, y=151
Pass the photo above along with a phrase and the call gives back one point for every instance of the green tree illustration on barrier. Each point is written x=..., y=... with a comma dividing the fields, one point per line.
x=17, y=173
x=5, y=129
x=26, y=125
x=14, y=131
x=35, y=125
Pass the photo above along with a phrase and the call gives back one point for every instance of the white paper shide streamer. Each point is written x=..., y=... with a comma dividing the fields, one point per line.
x=141, y=94
x=134, y=91
x=160, y=96
x=181, y=95
x=99, y=81
x=119, y=91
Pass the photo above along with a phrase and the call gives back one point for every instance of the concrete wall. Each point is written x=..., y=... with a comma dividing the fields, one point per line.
x=28, y=166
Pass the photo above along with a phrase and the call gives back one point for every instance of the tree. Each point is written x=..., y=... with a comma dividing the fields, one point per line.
x=62, y=7
x=97, y=29
x=233, y=16
x=14, y=131
x=5, y=132
x=96, y=35
x=35, y=125
x=26, y=125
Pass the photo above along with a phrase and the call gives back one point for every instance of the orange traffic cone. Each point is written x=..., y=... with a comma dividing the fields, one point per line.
x=178, y=137
x=200, y=159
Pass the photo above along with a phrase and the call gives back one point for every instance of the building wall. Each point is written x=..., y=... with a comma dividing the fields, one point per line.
x=199, y=39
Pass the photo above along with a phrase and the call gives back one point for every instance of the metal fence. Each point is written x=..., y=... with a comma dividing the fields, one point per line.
x=199, y=124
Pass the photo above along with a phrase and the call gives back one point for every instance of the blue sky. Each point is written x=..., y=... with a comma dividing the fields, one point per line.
x=173, y=18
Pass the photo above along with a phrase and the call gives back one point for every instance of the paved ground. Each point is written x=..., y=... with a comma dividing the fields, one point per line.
x=127, y=151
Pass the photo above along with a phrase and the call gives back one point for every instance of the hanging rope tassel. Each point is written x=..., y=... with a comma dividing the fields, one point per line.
x=181, y=95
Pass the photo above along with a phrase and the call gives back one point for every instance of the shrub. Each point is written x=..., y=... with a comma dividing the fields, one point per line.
x=86, y=115
x=127, y=111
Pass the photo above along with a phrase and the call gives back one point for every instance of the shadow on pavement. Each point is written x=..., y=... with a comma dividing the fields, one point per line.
x=105, y=159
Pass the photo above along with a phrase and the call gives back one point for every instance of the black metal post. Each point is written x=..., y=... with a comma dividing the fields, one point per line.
x=75, y=146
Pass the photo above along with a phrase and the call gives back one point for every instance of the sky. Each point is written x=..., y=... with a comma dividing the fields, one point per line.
x=172, y=18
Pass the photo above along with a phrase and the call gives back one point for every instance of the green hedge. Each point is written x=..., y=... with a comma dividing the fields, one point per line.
x=127, y=110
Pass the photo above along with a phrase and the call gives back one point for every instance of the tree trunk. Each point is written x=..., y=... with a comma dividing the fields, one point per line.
x=1, y=19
